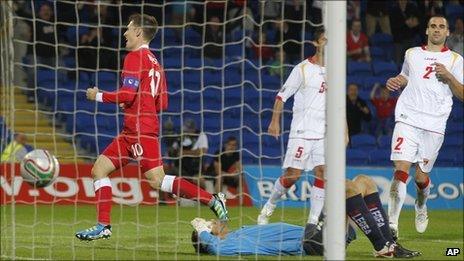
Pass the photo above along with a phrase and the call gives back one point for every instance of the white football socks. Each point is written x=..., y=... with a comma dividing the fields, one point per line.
x=317, y=203
x=396, y=200
x=277, y=192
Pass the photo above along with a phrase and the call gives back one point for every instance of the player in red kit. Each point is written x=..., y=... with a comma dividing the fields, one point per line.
x=142, y=94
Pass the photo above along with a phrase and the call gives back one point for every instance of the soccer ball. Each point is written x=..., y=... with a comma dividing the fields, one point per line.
x=39, y=168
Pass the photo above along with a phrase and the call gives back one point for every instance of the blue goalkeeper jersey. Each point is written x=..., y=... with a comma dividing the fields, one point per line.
x=270, y=239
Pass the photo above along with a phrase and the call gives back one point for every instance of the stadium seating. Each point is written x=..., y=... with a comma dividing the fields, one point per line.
x=380, y=157
x=359, y=69
x=357, y=157
x=363, y=141
x=384, y=69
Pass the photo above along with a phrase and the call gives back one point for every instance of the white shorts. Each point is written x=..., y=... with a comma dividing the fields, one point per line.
x=415, y=145
x=304, y=154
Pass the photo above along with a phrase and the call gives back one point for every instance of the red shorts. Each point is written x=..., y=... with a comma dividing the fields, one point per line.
x=144, y=149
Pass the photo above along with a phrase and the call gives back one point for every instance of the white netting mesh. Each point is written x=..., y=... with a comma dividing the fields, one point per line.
x=224, y=63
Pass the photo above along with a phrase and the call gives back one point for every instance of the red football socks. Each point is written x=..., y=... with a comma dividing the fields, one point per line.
x=104, y=197
x=185, y=189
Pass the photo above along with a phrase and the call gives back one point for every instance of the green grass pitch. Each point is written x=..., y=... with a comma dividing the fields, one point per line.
x=163, y=232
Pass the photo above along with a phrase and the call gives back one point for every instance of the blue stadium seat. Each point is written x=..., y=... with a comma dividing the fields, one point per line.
x=381, y=39
x=459, y=160
x=103, y=142
x=385, y=69
x=171, y=38
x=215, y=63
x=172, y=63
x=369, y=82
x=45, y=75
x=457, y=113
x=192, y=62
x=234, y=50
x=173, y=78
x=210, y=78
x=384, y=41
x=270, y=82
x=212, y=122
x=455, y=127
x=365, y=141
x=453, y=142
x=192, y=101
x=380, y=157
x=384, y=142
x=359, y=68
x=73, y=33
x=453, y=12
x=357, y=157
x=192, y=37
x=232, y=78
x=377, y=53
x=193, y=77
x=359, y=80
x=446, y=158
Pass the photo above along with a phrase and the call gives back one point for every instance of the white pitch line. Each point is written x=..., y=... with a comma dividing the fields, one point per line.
x=22, y=258
x=445, y=241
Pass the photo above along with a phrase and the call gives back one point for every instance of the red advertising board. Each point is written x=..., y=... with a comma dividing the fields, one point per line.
x=75, y=185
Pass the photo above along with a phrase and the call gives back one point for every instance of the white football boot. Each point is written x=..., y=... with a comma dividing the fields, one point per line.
x=266, y=213
x=422, y=220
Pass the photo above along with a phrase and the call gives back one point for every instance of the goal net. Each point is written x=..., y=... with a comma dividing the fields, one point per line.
x=224, y=62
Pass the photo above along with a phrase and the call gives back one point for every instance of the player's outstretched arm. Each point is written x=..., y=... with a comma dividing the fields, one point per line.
x=123, y=95
x=447, y=77
x=396, y=83
x=274, y=126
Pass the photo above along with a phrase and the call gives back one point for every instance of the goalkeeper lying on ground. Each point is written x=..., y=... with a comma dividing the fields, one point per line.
x=363, y=206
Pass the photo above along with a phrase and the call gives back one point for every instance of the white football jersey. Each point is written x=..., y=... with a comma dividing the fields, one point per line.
x=307, y=83
x=425, y=102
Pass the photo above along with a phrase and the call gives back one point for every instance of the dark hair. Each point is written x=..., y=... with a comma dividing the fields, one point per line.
x=148, y=24
x=199, y=248
x=438, y=16
x=231, y=138
x=318, y=32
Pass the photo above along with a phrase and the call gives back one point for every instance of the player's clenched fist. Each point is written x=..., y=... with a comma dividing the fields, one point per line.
x=274, y=129
x=396, y=83
x=442, y=74
x=91, y=93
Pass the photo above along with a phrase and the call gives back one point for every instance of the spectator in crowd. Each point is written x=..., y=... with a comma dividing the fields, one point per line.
x=277, y=66
x=214, y=39
x=227, y=167
x=356, y=110
x=45, y=36
x=289, y=38
x=315, y=11
x=405, y=21
x=22, y=35
x=455, y=40
x=377, y=13
x=385, y=107
x=262, y=50
x=353, y=10
x=238, y=8
x=430, y=8
x=272, y=11
x=17, y=149
x=357, y=43
x=188, y=152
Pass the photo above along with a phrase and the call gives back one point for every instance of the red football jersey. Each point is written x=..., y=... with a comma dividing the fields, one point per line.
x=143, y=91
